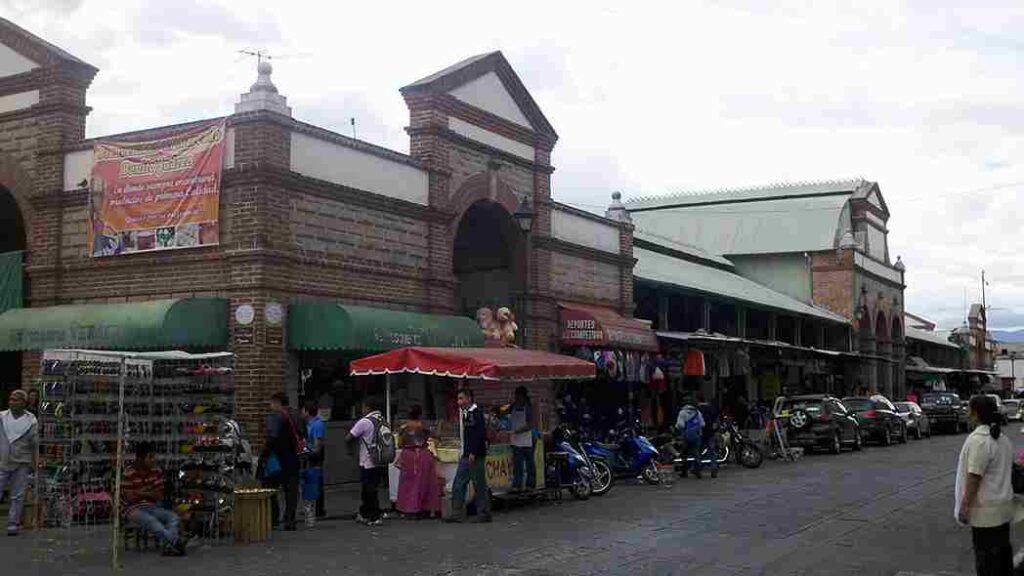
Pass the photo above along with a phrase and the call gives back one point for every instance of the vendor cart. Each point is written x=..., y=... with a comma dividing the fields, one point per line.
x=499, y=370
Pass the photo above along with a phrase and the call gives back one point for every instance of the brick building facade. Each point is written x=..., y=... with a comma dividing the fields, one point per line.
x=310, y=215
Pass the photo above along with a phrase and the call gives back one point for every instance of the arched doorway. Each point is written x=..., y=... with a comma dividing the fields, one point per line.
x=12, y=239
x=487, y=259
x=899, y=356
x=882, y=347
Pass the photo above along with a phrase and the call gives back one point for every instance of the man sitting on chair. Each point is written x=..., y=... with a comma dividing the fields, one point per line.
x=142, y=492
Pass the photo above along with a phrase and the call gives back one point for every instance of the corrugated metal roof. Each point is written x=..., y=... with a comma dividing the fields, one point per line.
x=938, y=338
x=657, y=267
x=729, y=195
x=666, y=241
x=756, y=227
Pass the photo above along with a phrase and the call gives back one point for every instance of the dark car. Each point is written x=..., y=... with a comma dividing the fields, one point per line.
x=917, y=421
x=820, y=421
x=878, y=418
x=945, y=410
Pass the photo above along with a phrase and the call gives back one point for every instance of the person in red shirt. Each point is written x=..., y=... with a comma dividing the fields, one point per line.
x=142, y=491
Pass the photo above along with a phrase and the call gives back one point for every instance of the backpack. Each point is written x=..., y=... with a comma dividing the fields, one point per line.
x=382, y=451
x=690, y=424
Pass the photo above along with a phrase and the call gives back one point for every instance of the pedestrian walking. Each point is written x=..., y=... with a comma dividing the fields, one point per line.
x=473, y=461
x=984, y=488
x=281, y=458
x=19, y=450
x=143, y=499
x=313, y=472
x=376, y=450
x=521, y=418
x=690, y=426
x=419, y=490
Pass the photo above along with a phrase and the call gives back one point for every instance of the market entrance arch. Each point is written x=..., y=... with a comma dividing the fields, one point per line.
x=488, y=259
x=12, y=240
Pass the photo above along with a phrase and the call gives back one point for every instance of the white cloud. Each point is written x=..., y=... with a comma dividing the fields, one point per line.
x=922, y=97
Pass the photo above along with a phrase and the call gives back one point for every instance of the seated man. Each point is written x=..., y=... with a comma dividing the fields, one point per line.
x=141, y=492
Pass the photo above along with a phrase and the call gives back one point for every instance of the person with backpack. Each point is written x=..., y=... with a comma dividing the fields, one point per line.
x=376, y=451
x=690, y=425
x=472, y=464
x=709, y=437
x=282, y=457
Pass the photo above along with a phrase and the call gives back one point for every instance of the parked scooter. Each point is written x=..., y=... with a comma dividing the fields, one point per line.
x=602, y=475
x=631, y=455
x=566, y=467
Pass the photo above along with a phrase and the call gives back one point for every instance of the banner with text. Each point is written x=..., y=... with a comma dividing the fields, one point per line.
x=157, y=194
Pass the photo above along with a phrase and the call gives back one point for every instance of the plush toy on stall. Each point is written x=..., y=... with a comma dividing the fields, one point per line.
x=507, y=326
x=490, y=328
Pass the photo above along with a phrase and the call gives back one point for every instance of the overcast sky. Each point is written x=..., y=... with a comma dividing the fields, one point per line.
x=923, y=97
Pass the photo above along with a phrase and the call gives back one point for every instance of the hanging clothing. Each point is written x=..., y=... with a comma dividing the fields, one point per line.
x=723, y=366
x=694, y=364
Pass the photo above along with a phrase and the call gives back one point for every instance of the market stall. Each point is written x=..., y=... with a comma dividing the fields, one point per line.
x=499, y=371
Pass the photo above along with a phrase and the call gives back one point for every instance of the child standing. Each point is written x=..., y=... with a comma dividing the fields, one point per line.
x=312, y=475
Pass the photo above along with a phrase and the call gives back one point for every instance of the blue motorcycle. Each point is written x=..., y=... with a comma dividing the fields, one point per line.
x=565, y=467
x=632, y=455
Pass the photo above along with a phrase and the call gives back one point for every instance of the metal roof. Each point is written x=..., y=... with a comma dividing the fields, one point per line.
x=656, y=267
x=655, y=238
x=938, y=338
x=732, y=195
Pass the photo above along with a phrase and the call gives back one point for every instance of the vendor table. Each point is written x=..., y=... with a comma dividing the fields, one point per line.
x=252, y=518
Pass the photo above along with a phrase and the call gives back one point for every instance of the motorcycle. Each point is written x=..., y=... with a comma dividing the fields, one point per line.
x=566, y=467
x=730, y=441
x=632, y=455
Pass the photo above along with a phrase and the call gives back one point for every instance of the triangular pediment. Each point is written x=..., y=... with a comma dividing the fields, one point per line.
x=487, y=82
x=12, y=62
x=488, y=93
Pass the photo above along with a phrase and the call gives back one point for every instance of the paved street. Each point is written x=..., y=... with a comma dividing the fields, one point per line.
x=879, y=512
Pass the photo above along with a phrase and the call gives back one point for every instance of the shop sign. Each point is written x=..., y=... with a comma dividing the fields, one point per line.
x=498, y=466
x=84, y=335
x=243, y=335
x=156, y=195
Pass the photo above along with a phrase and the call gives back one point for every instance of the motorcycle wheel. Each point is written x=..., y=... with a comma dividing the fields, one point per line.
x=650, y=474
x=749, y=455
x=603, y=477
x=581, y=488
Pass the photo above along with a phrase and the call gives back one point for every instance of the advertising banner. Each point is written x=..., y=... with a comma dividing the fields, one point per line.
x=157, y=194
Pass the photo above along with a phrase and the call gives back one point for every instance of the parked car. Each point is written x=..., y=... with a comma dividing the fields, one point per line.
x=878, y=418
x=820, y=421
x=945, y=410
x=917, y=421
x=1011, y=409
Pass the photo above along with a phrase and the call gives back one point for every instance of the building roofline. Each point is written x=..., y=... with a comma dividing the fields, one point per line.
x=780, y=191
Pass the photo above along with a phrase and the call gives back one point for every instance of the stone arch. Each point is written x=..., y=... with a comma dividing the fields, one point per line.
x=18, y=184
x=881, y=326
x=896, y=332
x=482, y=186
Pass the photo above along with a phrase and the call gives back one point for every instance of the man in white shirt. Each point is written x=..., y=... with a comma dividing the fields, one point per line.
x=984, y=489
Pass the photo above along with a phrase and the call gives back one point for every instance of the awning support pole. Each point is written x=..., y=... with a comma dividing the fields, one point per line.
x=120, y=465
x=387, y=397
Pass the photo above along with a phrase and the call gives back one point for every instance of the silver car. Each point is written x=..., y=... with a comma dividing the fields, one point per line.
x=1011, y=409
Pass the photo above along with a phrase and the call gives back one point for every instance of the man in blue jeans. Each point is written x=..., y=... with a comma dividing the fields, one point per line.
x=472, y=464
x=524, y=470
x=142, y=492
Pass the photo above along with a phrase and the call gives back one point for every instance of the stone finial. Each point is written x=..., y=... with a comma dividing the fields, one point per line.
x=263, y=94
x=899, y=265
x=847, y=241
x=617, y=210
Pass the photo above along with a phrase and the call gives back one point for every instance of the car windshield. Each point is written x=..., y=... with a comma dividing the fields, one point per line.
x=939, y=399
x=903, y=408
x=859, y=404
x=1012, y=403
x=812, y=407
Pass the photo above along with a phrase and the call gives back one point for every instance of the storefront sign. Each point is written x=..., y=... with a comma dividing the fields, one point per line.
x=604, y=328
x=499, y=466
x=157, y=194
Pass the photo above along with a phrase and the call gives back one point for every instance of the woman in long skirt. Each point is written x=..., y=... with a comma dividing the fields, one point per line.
x=419, y=490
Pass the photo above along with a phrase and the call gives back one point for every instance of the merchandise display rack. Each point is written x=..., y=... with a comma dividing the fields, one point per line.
x=95, y=407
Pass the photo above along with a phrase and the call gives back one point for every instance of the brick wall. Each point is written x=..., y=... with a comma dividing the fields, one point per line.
x=832, y=282
x=579, y=279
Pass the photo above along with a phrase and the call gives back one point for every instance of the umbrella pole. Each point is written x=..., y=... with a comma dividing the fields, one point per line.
x=387, y=396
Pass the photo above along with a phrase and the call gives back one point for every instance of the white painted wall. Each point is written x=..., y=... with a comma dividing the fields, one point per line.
x=583, y=231
x=78, y=165
x=12, y=63
x=473, y=132
x=13, y=102
x=488, y=93
x=339, y=164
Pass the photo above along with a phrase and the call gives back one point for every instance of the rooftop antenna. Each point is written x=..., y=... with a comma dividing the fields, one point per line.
x=261, y=55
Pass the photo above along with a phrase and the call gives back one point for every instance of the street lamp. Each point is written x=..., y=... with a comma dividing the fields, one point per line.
x=524, y=215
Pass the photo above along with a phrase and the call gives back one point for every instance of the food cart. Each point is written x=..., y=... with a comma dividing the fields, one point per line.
x=501, y=368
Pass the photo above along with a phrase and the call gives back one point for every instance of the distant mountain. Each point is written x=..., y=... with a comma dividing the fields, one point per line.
x=1008, y=336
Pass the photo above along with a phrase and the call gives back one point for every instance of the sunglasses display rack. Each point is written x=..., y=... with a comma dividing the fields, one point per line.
x=182, y=405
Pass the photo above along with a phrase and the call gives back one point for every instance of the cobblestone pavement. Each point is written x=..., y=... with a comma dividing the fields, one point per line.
x=880, y=512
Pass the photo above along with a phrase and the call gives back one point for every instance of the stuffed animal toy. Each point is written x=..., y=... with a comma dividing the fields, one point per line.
x=490, y=328
x=507, y=326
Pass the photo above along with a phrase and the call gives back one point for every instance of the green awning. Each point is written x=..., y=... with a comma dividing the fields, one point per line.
x=330, y=326
x=153, y=325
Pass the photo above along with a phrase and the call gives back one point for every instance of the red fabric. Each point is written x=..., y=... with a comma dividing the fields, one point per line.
x=419, y=489
x=694, y=365
x=603, y=327
x=475, y=363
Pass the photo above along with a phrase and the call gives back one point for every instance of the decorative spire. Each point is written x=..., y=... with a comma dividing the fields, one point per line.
x=899, y=265
x=617, y=210
x=263, y=94
x=847, y=241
